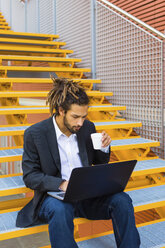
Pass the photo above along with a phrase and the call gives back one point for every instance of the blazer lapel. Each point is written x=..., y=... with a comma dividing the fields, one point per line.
x=53, y=146
x=52, y=143
x=82, y=149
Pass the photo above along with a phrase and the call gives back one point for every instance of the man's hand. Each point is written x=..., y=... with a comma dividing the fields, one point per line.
x=63, y=186
x=106, y=139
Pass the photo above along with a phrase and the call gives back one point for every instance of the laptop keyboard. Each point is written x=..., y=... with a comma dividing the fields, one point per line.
x=62, y=194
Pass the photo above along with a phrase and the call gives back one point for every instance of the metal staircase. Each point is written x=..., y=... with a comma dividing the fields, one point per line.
x=25, y=52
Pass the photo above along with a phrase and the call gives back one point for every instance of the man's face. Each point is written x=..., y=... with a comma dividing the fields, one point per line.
x=74, y=118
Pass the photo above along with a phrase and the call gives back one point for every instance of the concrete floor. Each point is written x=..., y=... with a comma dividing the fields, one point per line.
x=30, y=241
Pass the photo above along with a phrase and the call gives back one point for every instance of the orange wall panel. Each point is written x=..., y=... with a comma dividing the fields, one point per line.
x=150, y=12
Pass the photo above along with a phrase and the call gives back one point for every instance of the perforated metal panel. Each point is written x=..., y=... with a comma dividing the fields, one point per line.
x=5, y=9
x=18, y=16
x=129, y=62
x=31, y=17
x=46, y=10
x=74, y=27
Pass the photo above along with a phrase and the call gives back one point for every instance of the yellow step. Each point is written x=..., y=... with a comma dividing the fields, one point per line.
x=8, y=94
x=17, y=232
x=13, y=183
x=8, y=154
x=107, y=125
x=3, y=23
x=24, y=49
x=24, y=35
x=132, y=143
x=44, y=80
x=18, y=129
x=152, y=236
x=37, y=68
x=15, y=129
x=37, y=58
x=4, y=27
x=45, y=109
x=11, y=231
x=31, y=42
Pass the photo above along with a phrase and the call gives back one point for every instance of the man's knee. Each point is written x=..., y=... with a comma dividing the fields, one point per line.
x=121, y=200
x=61, y=210
x=55, y=209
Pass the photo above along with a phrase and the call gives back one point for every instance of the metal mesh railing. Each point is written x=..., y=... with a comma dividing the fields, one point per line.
x=129, y=62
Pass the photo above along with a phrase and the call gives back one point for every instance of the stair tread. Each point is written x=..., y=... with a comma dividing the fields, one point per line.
x=13, y=128
x=131, y=141
x=44, y=93
x=117, y=124
x=149, y=234
x=4, y=27
x=148, y=195
x=35, y=107
x=149, y=164
x=32, y=49
x=44, y=109
x=4, y=153
x=37, y=68
x=27, y=35
x=97, y=124
x=10, y=182
x=106, y=106
x=30, y=42
x=114, y=123
x=44, y=80
x=38, y=58
x=16, y=181
x=139, y=197
x=11, y=152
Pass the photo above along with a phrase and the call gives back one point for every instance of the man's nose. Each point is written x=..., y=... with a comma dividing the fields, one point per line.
x=80, y=122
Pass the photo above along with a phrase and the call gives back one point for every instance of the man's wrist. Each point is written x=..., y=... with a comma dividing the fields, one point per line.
x=105, y=149
x=61, y=185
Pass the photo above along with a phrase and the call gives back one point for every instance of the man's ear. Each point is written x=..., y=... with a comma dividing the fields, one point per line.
x=61, y=111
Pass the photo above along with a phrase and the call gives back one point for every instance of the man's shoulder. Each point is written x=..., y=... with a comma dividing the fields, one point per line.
x=39, y=126
x=88, y=125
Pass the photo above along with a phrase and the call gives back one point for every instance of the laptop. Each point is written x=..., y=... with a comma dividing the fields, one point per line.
x=94, y=181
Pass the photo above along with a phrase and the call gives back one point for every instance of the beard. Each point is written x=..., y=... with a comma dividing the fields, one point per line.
x=72, y=129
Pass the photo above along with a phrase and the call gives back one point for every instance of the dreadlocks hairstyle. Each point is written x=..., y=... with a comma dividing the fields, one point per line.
x=64, y=93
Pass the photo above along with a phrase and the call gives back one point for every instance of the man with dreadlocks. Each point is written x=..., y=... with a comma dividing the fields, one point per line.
x=52, y=148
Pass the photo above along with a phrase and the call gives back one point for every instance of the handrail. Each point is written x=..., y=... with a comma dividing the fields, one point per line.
x=133, y=18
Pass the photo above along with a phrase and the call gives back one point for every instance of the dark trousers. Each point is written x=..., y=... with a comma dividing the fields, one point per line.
x=59, y=215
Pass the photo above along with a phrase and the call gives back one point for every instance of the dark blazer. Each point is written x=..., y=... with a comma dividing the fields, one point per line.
x=41, y=164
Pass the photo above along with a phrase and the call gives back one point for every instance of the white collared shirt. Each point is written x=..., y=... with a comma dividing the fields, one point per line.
x=69, y=152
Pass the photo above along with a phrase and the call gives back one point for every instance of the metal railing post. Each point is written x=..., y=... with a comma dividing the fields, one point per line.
x=93, y=38
x=38, y=15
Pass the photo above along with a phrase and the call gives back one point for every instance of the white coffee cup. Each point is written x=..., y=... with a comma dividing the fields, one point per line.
x=96, y=140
